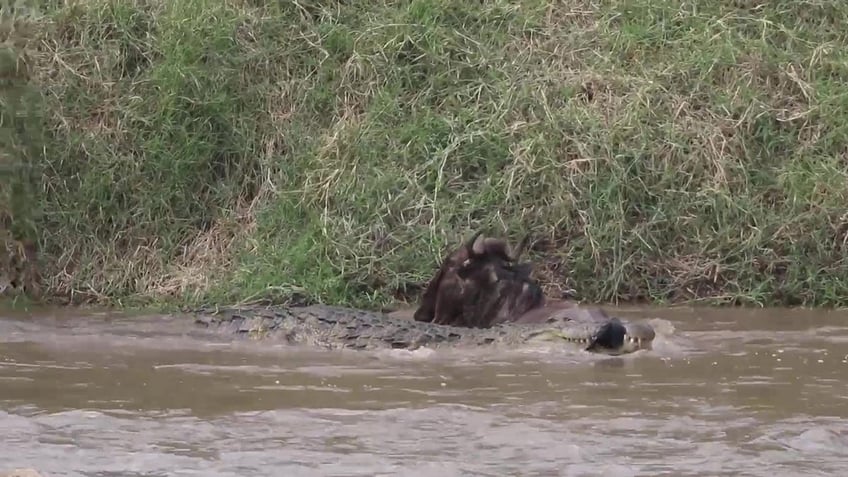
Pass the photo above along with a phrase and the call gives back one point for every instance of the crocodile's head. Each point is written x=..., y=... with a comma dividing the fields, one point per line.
x=612, y=337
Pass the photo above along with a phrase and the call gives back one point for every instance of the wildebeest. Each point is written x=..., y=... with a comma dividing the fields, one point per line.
x=479, y=283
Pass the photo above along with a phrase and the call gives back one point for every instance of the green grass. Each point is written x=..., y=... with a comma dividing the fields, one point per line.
x=223, y=150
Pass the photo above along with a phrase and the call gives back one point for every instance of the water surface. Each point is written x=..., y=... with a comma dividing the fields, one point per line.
x=724, y=392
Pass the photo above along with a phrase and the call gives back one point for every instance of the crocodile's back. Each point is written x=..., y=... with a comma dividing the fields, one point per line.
x=335, y=327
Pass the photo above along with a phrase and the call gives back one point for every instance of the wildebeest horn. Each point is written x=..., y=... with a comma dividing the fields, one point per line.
x=491, y=245
x=478, y=246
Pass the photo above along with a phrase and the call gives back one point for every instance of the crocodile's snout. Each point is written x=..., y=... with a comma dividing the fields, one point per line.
x=610, y=336
x=615, y=338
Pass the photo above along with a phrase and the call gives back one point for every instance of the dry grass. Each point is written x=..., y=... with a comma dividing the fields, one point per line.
x=229, y=150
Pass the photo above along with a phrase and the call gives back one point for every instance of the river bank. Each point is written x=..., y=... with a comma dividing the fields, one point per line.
x=221, y=151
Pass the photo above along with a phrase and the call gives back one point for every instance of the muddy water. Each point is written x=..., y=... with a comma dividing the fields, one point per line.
x=724, y=392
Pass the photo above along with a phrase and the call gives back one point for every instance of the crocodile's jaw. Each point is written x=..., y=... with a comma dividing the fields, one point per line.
x=629, y=344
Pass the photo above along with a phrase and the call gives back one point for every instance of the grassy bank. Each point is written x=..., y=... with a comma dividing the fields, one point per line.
x=228, y=150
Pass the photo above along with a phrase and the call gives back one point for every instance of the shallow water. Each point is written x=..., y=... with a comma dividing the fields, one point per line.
x=724, y=392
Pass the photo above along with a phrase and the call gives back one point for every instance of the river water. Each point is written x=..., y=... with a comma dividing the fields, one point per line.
x=723, y=392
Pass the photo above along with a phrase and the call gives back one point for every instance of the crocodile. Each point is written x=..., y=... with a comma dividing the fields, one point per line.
x=336, y=327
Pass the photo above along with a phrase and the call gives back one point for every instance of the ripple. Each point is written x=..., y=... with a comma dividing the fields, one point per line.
x=752, y=396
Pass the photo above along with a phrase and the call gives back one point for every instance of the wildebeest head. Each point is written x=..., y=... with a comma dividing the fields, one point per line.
x=497, y=291
x=478, y=283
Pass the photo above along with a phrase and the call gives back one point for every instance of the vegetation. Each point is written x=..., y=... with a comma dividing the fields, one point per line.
x=223, y=150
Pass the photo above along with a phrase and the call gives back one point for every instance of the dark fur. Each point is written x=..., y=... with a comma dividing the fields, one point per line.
x=497, y=291
x=479, y=284
x=504, y=301
x=441, y=286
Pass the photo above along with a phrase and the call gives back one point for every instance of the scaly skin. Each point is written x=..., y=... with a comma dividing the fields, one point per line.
x=336, y=327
